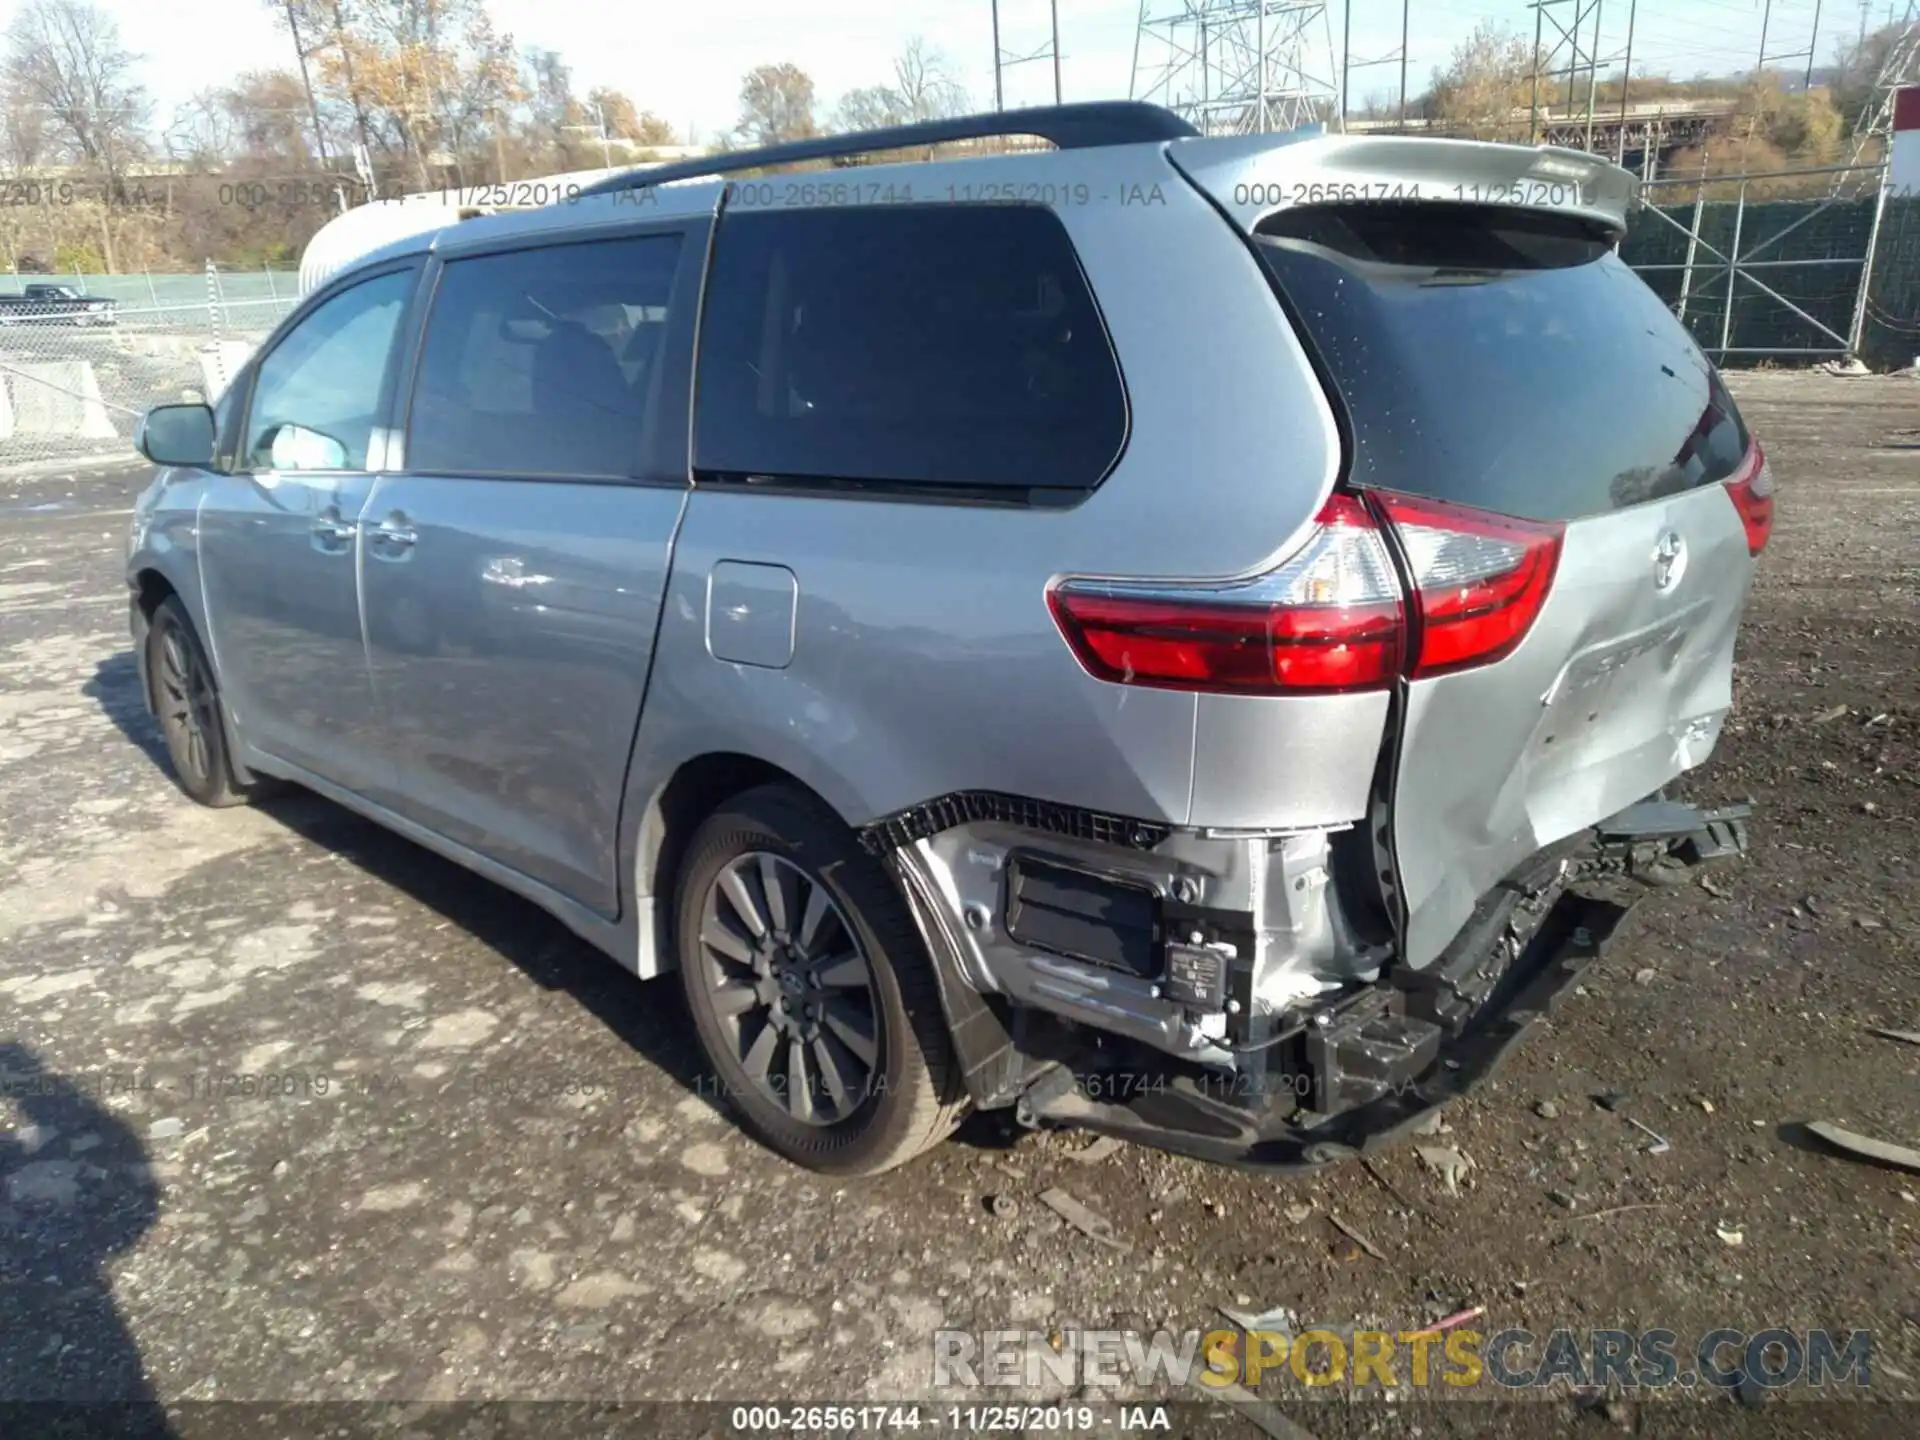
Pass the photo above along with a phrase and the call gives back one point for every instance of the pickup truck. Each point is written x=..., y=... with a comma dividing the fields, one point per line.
x=49, y=304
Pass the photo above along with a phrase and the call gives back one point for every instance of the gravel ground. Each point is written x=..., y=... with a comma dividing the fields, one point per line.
x=472, y=1160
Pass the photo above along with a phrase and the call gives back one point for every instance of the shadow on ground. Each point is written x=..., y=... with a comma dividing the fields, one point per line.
x=115, y=688
x=76, y=1189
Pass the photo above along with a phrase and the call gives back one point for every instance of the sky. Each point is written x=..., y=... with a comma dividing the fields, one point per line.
x=684, y=60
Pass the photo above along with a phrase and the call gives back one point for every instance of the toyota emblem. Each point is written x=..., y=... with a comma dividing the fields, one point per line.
x=1669, y=560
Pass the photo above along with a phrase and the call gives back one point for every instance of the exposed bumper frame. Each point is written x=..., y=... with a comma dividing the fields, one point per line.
x=1274, y=1134
x=1369, y=1066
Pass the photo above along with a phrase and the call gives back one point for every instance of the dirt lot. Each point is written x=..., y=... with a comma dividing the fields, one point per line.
x=477, y=1162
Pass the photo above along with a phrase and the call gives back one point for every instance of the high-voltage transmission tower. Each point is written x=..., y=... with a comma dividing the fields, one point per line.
x=1901, y=67
x=1004, y=59
x=1237, y=67
x=1563, y=49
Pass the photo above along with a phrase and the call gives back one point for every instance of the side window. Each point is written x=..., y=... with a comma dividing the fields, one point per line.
x=541, y=362
x=317, y=396
x=945, y=345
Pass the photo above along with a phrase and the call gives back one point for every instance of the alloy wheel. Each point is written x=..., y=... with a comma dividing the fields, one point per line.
x=186, y=709
x=791, y=987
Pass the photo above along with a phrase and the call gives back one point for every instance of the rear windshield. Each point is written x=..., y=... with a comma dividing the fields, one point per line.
x=1501, y=358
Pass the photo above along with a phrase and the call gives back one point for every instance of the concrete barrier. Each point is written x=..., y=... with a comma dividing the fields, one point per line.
x=58, y=397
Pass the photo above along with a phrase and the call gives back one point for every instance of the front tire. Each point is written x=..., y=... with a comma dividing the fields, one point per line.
x=186, y=699
x=811, y=990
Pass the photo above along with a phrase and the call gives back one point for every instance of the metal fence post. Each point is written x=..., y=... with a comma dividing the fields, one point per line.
x=1855, y=330
x=1693, y=249
x=213, y=301
x=153, y=297
x=273, y=291
x=1733, y=269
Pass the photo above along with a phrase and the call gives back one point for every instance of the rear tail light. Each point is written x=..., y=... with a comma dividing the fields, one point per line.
x=1480, y=580
x=1331, y=618
x=1751, y=487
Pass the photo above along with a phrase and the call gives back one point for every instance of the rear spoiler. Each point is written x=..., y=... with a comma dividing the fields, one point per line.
x=1253, y=176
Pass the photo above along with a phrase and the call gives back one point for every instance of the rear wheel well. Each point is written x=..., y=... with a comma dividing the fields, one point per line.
x=698, y=788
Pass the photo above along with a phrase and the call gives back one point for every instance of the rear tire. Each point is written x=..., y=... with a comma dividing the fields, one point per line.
x=186, y=699
x=811, y=990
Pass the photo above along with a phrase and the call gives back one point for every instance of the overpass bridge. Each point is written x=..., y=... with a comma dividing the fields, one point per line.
x=1644, y=136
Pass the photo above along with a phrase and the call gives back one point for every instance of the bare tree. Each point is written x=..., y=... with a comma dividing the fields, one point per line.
x=925, y=83
x=24, y=142
x=287, y=12
x=923, y=89
x=553, y=115
x=203, y=133
x=776, y=104
x=64, y=57
x=257, y=118
x=547, y=81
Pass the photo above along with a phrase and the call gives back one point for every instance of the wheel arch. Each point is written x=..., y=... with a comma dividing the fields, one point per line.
x=151, y=589
x=698, y=787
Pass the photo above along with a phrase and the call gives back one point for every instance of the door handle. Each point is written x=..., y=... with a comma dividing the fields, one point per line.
x=330, y=533
x=393, y=533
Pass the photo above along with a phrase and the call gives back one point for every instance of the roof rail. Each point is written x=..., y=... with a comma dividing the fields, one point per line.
x=1070, y=127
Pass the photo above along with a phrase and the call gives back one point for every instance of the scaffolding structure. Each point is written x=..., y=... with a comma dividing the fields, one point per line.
x=1238, y=67
x=1873, y=131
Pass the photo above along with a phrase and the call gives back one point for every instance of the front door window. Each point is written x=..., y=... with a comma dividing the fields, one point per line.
x=318, y=393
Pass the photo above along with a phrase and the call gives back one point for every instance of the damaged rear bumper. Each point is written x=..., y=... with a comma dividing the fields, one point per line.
x=1343, y=1074
x=1379, y=1065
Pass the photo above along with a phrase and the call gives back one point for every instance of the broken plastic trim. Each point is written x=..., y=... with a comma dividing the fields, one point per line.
x=965, y=807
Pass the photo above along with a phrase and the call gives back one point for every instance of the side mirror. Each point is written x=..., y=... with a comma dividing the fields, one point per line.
x=176, y=435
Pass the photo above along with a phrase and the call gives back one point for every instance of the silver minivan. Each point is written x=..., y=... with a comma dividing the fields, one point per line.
x=1180, y=636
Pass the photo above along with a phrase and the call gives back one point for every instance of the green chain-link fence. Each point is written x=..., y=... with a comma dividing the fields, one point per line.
x=1807, y=250
x=70, y=393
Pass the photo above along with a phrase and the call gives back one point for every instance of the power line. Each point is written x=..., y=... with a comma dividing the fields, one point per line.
x=1348, y=64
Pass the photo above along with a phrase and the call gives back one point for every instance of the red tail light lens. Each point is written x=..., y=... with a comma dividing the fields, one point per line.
x=1331, y=618
x=1327, y=620
x=1481, y=579
x=1751, y=487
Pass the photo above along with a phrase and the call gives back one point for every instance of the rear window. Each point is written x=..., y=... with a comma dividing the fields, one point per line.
x=541, y=361
x=1501, y=358
x=954, y=346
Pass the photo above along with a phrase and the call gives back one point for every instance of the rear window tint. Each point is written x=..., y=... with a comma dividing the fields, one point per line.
x=948, y=345
x=541, y=361
x=1502, y=359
